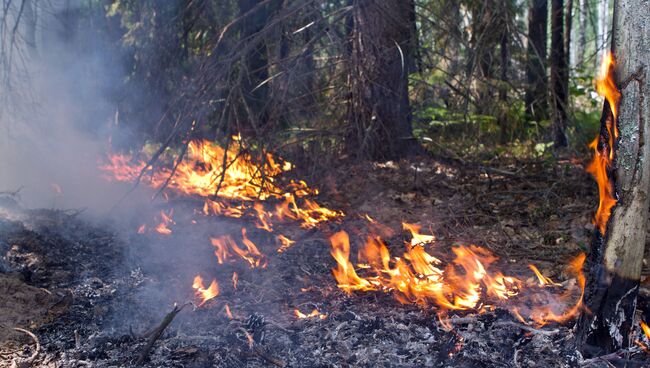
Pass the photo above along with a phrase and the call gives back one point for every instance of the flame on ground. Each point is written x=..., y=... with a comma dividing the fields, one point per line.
x=313, y=314
x=226, y=248
x=202, y=293
x=603, y=145
x=467, y=282
x=232, y=175
x=166, y=220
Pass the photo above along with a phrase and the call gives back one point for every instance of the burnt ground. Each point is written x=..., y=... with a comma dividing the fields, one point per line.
x=90, y=291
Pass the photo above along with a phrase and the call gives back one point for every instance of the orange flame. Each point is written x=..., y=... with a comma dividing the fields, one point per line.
x=285, y=243
x=166, y=220
x=233, y=175
x=604, y=150
x=202, y=294
x=312, y=314
x=419, y=277
x=235, y=279
x=645, y=328
x=226, y=247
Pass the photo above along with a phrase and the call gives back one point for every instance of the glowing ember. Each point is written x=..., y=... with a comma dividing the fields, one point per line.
x=466, y=283
x=202, y=294
x=603, y=146
x=313, y=314
x=235, y=279
x=228, y=312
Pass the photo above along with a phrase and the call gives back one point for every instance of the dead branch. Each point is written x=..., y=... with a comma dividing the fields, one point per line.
x=608, y=357
x=169, y=317
x=29, y=361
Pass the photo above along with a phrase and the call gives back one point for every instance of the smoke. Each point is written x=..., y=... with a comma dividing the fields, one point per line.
x=59, y=118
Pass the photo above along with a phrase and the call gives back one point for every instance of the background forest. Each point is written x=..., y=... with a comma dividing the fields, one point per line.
x=320, y=79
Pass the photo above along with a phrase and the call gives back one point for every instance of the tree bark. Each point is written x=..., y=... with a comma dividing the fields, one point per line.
x=255, y=65
x=603, y=15
x=616, y=258
x=582, y=30
x=382, y=53
x=559, y=74
x=537, y=82
x=568, y=18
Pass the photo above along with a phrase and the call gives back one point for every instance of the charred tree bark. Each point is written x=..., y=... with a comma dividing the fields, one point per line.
x=537, y=88
x=559, y=74
x=382, y=54
x=616, y=258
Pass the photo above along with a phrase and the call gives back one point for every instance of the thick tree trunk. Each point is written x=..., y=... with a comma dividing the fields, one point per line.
x=616, y=258
x=559, y=74
x=537, y=82
x=255, y=68
x=383, y=47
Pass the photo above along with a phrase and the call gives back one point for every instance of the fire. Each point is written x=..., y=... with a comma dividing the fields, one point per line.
x=238, y=179
x=226, y=248
x=646, y=329
x=166, y=220
x=202, y=294
x=466, y=283
x=543, y=280
x=235, y=279
x=603, y=146
x=285, y=243
x=312, y=314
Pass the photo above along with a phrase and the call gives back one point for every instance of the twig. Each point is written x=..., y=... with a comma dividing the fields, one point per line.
x=527, y=328
x=158, y=332
x=29, y=361
x=612, y=356
x=264, y=355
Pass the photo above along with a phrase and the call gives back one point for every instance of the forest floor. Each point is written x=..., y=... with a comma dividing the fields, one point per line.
x=89, y=292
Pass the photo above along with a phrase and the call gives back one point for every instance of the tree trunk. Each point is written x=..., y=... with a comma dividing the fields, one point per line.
x=255, y=68
x=582, y=30
x=382, y=51
x=603, y=15
x=568, y=18
x=559, y=74
x=616, y=256
x=537, y=86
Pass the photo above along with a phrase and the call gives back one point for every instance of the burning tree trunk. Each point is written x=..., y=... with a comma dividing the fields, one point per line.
x=622, y=164
x=382, y=55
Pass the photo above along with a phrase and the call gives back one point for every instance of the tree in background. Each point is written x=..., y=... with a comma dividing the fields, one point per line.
x=382, y=55
x=559, y=74
x=537, y=82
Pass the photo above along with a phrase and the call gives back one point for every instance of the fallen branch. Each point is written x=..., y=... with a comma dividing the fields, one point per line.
x=29, y=361
x=264, y=355
x=608, y=357
x=155, y=335
x=527, y=328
